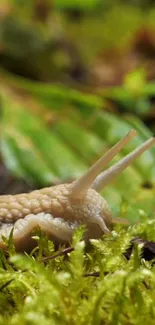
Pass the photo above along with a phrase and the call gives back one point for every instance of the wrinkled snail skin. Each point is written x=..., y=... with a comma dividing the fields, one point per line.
x=53, y=210
x=60, y=209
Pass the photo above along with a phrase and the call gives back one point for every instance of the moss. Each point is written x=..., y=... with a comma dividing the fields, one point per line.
x=91, y=284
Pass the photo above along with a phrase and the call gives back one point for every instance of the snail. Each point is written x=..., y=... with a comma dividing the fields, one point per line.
x=60, y=209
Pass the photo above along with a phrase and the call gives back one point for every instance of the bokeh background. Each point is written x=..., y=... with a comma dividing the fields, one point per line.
x=75, y=76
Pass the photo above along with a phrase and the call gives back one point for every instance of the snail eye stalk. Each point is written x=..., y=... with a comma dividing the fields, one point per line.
x=109, y=175
x=80, y=186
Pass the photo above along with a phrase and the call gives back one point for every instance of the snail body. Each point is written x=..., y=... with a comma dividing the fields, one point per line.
x=59, y=210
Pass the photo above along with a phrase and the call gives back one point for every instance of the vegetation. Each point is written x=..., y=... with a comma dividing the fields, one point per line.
x=93, y=285
x=75, y=72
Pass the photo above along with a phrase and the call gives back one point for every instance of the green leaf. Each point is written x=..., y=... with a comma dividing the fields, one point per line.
x=79, y=134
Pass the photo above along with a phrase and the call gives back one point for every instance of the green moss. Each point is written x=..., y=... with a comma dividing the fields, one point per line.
x=93, y=284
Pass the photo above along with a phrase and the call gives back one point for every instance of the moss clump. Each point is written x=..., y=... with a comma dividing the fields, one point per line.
x=88, y=285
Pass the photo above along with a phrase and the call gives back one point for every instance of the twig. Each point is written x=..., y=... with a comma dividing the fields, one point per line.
x=63, y=252
x=6, y=284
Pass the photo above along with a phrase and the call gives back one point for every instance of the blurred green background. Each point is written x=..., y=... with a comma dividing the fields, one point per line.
x=75, y=76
